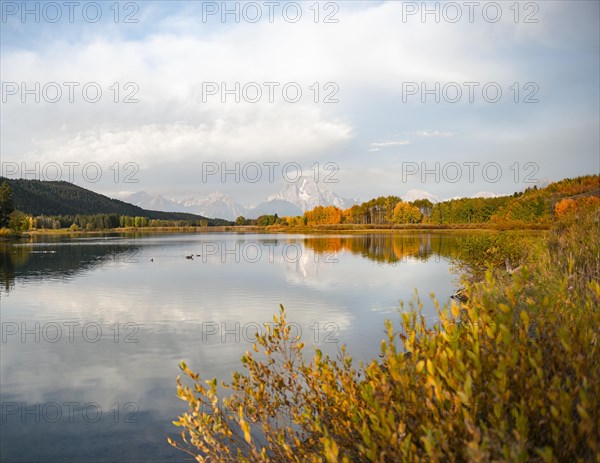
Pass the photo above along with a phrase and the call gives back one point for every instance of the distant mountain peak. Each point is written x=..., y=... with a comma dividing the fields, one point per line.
x=414, y=194
x=153, y=201
x=293, y=199
x=485, y=194
x=217, y=204
x=306, y=194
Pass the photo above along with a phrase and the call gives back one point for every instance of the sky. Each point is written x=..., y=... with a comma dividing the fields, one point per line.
x=369, y=98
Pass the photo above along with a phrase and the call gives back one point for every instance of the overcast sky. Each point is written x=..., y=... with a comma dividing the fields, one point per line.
x=369, y=75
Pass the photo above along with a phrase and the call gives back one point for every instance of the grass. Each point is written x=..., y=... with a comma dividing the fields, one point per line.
x=316, y=229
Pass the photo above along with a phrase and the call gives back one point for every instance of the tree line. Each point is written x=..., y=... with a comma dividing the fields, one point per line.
x=107, y=221
x=532, y=206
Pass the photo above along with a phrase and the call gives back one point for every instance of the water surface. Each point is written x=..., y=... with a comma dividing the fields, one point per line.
x=93, y=328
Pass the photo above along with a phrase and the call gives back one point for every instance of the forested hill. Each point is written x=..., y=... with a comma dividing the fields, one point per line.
x=47, y=198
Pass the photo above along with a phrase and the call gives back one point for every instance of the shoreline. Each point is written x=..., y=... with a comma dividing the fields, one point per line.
x=278, y=229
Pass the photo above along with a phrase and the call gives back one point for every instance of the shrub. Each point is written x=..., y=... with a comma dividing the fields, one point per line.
x=505, y=250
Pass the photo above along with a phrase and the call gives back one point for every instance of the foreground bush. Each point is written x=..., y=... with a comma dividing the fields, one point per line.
x=514, y=375
x=478, y=253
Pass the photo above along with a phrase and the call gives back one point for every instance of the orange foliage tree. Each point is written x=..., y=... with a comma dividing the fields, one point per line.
x=567, y=206
x=564, y=206
x=323, y=215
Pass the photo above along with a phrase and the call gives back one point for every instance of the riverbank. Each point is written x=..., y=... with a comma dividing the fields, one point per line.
x=418, y=227
x=7, y=235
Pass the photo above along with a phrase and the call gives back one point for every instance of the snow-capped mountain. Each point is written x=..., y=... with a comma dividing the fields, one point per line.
x=306, y=194
x=485, y=194
x=215, y=205
x=413, y=195
x=154, y=202
x=294, y=199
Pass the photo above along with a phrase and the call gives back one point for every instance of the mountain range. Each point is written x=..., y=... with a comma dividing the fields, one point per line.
x=294, y=199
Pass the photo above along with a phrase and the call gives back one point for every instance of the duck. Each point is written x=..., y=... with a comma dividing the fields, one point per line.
x=190, y=257
x=460, y=295
x=509, y=267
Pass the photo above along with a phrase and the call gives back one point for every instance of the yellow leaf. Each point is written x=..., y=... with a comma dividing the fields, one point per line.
x=504, y=308
x=331, y=451
x=468, y=385
x=455, y=310
x=429, y=367
x=246, y=428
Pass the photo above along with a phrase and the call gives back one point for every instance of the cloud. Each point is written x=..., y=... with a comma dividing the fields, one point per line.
x=171, y=53
x=386, y=144
x=434, y=134
x=236, y=136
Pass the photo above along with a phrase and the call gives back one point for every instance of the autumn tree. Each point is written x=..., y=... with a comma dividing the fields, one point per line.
x=294, y=221
x=406, y=213
x=353, y=214
x=563, y=207
x=323, y=215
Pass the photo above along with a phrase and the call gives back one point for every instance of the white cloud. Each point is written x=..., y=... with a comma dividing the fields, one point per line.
x=369, y=54
x=434, y=134
x=386, y=144
x=237, y=136
x=170, y=64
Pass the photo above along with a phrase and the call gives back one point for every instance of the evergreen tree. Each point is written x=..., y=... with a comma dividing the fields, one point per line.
x=6, y=203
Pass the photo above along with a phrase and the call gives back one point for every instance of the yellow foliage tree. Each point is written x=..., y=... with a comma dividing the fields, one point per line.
x=406, y=213
x=294, y=221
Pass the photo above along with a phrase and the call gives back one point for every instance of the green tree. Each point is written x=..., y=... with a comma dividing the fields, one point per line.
x=266, y=220
x=424, y=205
x=6, y=203
x=18, y=221
x=241, y=220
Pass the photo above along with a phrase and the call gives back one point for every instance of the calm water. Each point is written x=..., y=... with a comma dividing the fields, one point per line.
x=93, y=329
